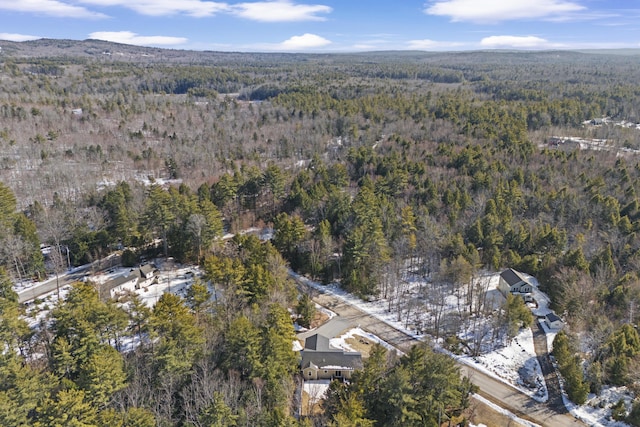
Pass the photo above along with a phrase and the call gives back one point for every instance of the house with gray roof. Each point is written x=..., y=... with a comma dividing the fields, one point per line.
x=512, y=281
x=146, y=275
x=137, y=278
x=113, y=287
x=321, y=362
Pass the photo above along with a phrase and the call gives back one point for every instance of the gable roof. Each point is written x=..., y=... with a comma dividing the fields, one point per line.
x=317, y=354
x=317, y=342
x=147, y=269
x=333, y=359
x=105, y=288
x=512, y=277
x=144, y=271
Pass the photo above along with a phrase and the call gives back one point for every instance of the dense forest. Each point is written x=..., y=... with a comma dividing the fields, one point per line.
x=366, y=166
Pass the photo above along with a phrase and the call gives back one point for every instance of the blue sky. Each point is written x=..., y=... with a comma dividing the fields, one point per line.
x=330, y=25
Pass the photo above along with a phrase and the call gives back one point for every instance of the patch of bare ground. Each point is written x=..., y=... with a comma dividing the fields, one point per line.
x=360, y=344
x=319, y=319
x=480, y=413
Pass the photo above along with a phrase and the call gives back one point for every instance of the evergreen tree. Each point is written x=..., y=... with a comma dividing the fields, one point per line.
x=102, y=375
x=180, y=337
x=306, y=309
x=517, y=315
x=160, y=214
x=21, y=390
x=66, y=408
x=218, y=414
x=243, y=348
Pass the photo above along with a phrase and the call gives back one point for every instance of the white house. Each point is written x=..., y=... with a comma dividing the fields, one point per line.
x=146, y=275
x=515, y=283
x=118, y=285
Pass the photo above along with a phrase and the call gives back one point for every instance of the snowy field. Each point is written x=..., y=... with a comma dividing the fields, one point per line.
x=517, y=364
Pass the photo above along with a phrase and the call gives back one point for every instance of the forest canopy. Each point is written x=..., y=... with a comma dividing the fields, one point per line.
x=365, y=166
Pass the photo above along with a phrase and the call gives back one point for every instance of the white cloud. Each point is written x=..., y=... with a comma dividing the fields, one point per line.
x=280, y=11
x=49, y=7
x=128, y=37
x=18, y=37
x=264, y=11
x=427, y=44
x=518, y=42
x=492, y=11
x=303, y=42
x=194, y=8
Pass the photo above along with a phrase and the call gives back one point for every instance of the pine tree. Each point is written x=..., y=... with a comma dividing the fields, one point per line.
x=180, y=337
x=21, y=389
x=306, y=309
x=198, y=297
x=102, y=375
x=8, y=205
x=218, y=413
x=160, y=214
x=66, y=408
x=243, y=348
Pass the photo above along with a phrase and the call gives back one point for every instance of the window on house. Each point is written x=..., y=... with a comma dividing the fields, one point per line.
x=338, y=374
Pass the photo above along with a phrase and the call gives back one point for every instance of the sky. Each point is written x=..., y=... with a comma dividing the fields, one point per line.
x=330, y=25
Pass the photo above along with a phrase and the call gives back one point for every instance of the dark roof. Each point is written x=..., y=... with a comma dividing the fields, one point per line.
x=512, y=277
x=316, y=342
x=332, y=359
x=552, y=317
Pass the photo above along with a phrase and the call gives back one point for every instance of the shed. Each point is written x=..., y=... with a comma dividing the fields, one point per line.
x=553, y=321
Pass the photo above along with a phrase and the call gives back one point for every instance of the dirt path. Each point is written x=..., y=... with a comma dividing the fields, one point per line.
x=549, y=372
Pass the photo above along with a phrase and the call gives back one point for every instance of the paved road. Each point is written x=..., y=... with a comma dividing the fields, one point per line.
x=42, y=288
x=496, y=391
x=330, y=329
x=67, y=278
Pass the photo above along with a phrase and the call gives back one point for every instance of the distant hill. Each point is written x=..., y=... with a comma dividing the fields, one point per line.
x=105, y=51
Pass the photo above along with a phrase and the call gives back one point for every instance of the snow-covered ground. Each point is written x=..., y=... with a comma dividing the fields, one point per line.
x=509, y=363
x=341, y=341
x=502, y=362
x=316, y=391
x=517, y=364
x=504, y=412
x=597, y=410
x=175, y=279
x=505, y=363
